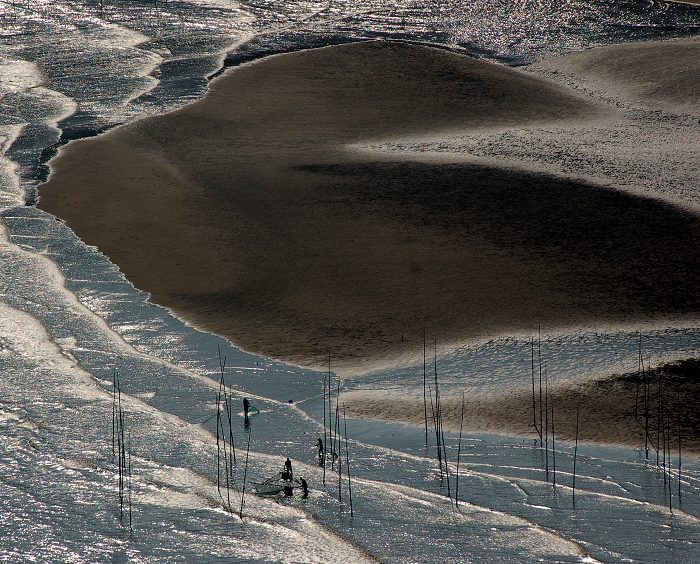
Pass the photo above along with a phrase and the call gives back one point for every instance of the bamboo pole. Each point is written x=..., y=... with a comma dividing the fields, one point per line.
x=539, y=357
x=120, y=422
x=554, y=452
x=123, y=460
x=546, y=424
x=228, y=403
x=425, y=402
x=532, y=372
x=330, y=411
x=639, y=375
x=444, y=455
x=347, y=459
x=218, y=435
x=226, y=468
x=573, y=489
x=679, y=447
x=221, y=432
x=245, y=473
x=658, y=418
x=218, y=446
x=668, y=440
x=131, y=528
x=436, y=415
x=459, y=450
x=232, y=450
x=646, y=413
x=325, y=433
x=337, y=422
x=438, y=404
x=119, y=467
x=114, y=410
x=340, y=475
x=662, y=422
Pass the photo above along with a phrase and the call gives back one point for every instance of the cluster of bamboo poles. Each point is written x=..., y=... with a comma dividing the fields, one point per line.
x=651, y=408
x=332, y=436
x=543, y=416
x=653, y=414
x=121, y=450
x=431, y=395
x=226, y=460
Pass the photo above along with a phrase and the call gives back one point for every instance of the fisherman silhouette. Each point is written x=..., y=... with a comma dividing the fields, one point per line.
x=287, y=472
x=246, y=407
x=305, y=488
x=320, y=452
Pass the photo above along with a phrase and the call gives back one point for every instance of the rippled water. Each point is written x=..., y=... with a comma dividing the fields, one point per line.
x=70, y=69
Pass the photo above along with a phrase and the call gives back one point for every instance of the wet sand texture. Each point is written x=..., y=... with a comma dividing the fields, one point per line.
x=248, y=214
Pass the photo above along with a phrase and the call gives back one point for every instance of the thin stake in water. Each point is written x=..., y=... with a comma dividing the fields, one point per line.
x=573, y=489
x=245, y=473
x=554, y=452
x=340, y=471
x=229, y=411
x=670, y=489
x=330, y=411
x=325, y=429
x=546, y=424
x=539, y=357
x=532, y=373
x=436, y=413
x=679, y=447
x=336, y=441
x=347, y=459
x=114, y=410
x=459, y=450
x=131, y=528
x=444, y=455
x=425, y=401
x=662, y=419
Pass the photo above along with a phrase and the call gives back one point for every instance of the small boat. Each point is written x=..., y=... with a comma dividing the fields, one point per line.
x=282, y=483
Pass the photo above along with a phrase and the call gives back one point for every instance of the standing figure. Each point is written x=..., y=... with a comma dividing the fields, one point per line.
x=288, y=467
x=246, y=407
x=321, y=452
x=305, y=488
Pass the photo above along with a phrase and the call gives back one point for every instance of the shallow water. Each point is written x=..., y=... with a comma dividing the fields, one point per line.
x=68, y=319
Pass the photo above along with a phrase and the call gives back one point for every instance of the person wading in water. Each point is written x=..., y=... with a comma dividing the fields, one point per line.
x=246, y=407
x=321, y=451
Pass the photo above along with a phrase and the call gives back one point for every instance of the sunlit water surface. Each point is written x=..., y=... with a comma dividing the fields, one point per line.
x=68, y=319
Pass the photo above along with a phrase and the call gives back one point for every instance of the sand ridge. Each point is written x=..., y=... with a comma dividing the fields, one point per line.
x=662, y=74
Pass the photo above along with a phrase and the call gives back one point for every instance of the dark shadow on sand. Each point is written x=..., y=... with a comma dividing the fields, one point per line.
x=614, y=253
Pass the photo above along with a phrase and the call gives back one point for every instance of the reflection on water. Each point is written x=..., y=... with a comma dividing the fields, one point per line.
x=72, y=68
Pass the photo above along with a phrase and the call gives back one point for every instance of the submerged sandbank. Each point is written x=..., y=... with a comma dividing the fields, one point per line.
x=249, y=215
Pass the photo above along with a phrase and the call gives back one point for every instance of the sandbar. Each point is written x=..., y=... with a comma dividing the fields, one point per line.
x=250, y=213
x=256, y=214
